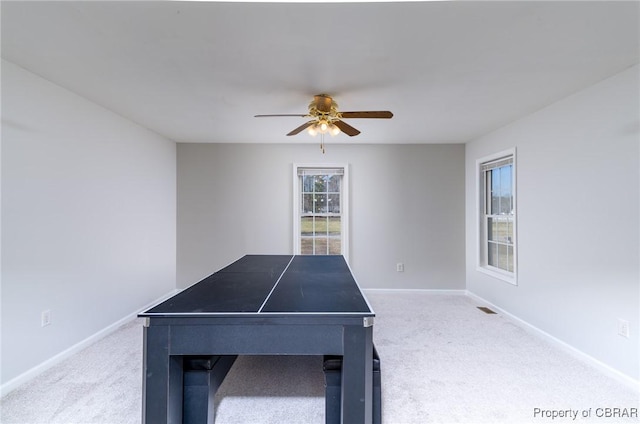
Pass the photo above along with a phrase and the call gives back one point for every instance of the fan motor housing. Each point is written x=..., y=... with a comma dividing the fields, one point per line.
x=323, y=103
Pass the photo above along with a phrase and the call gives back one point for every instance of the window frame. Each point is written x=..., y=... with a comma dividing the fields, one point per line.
x=481, y=227
x=344, y=205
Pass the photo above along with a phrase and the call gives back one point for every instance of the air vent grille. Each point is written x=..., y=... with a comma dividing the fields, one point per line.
x=486, y=310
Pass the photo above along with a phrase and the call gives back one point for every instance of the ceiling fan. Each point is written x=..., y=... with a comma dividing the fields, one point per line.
x=325, y=118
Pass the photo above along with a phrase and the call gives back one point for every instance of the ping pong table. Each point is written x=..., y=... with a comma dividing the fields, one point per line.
x=261, y=305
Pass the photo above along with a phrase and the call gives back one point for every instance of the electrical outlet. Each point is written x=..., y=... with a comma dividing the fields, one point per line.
x=623, y=328
x=400, y=267
x=45, y=318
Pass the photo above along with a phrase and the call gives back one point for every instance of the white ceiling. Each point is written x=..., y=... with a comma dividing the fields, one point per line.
x=200, y=71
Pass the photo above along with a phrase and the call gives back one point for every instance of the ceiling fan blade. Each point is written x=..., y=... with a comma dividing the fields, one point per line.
x=302, y=127
x=269, y=116
x=346, y=128
x=380, y=114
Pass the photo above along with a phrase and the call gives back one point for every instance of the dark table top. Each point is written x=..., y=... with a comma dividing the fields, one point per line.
x=271, y=285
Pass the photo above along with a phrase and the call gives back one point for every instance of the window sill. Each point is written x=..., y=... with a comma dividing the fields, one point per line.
x=500, y=275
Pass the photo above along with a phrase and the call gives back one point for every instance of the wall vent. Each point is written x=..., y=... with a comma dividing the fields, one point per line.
x=486, y=310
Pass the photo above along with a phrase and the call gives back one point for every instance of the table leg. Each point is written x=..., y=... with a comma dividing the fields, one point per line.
x=357, y=375
x=162, y=379
x=203, y=376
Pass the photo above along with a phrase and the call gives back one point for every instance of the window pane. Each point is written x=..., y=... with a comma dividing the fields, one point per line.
x=505, y=234
x=320, y=224
x=320, y=246
x=503, y=257
x=307, y=183
x=505, y=189
x=505, y=205
x=502, y=230
x=307, y=203
x=495, y=191
x=500, y=185
x=334, y=183
x=306, y=246
x=320, y=184
x=334, y=226
x=335, y=247
x=492, y=254
x=320, y=201
x=306, y=226
x=491, y=229
x=334, y=203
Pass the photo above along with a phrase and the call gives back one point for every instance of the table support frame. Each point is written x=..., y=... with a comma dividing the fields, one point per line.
x=167, y=339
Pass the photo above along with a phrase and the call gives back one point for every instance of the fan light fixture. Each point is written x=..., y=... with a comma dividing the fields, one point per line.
x=323, y=126
x=325, y=118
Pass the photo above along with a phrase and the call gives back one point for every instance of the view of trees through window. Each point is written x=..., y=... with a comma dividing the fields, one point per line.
x=320, y=217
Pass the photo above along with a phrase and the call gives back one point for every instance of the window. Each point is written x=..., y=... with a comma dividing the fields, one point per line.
x=497, y=206
x=320, y=206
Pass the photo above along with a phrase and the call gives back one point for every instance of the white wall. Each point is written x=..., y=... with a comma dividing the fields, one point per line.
x=578, y=220
x=88, y=218
x=407, y=205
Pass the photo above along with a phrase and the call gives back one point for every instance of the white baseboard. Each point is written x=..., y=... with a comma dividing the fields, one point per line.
x=40, y=368
x=461, y=292
x=575, y=352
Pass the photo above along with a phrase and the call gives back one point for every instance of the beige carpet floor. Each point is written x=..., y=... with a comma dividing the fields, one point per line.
x=442, y=360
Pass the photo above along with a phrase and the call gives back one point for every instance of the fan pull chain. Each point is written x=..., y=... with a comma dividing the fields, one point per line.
x=322, y=143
